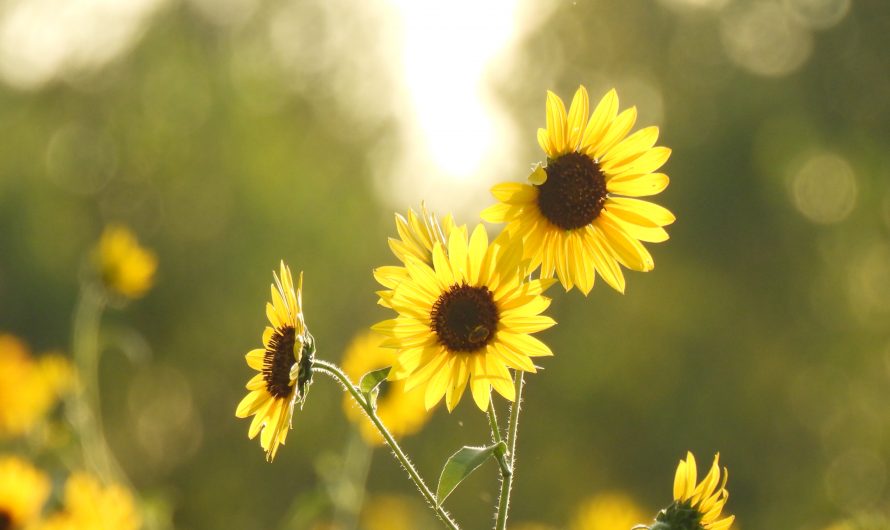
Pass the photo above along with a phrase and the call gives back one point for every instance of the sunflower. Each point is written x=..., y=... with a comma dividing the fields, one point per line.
x=608, y=511
x=125, y=267
x=466, y=319
x=697, y=505
x=417, y=234
x=284, y=363
x=23, y=490
x=402, y=412
x=29, y=387
x=90, y=506
x=578, y=216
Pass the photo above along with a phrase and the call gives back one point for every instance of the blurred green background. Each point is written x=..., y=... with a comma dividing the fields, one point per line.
x=231, y=134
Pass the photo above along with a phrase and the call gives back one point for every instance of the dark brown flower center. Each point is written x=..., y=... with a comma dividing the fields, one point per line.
x=574, y=192
x=465, y=318
x=5, y=521
x=278, y=361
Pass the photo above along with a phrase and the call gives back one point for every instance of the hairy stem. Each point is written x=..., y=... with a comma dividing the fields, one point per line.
x=335, y=372
x=496, y=438
x=507, y=480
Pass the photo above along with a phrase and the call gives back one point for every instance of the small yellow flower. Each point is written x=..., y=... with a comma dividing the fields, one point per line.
x=579, y=215
x=90, y=506
x=391, y=512
x=466, y=319
x=29, y=388
x=125, y=267
x=23, y=490
x=284, y=363
x=402, y=412
x=417, y=235
x=608, y=511
x=697, y=505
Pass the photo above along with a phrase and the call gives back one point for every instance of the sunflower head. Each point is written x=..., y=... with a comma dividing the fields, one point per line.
x=284, y=364
x=697, y=505
x=578, y=214
x=418, y=233
x=403, y=412
x=125, y=267
x=466, y=318
x=23, y=490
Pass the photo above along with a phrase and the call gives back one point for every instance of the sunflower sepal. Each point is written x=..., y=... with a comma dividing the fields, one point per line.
x=461, y=464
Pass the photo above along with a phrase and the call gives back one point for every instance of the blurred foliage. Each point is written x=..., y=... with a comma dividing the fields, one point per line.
x=762, y=332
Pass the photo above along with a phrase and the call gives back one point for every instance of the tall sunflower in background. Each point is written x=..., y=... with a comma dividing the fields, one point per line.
x=466, y=319
x=284, y=365
x=417, y=235
x=608, y=511
x=402, y=412
x=23, y=491
x=579, y=215
x=125, y=267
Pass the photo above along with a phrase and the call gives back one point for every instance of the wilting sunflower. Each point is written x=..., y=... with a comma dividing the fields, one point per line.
x=466, y=319
x=284, y=363
x=89, y=505
x=125, y=267
x=697, y=505
x=578, y=216
x=417, y=234
x=29, y=387
x=608, y=511
x=402, y=412
x=23, y=490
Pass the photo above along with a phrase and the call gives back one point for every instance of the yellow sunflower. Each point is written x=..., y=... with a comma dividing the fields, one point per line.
x=466, y=319
x=417, y=234
x=402, y=412
x=284, y=363
x=29, y=387
x=90, y=506
x=579, y=216
x=697, y=505
x=23, y=490
x=125, y=267
x=608, y=511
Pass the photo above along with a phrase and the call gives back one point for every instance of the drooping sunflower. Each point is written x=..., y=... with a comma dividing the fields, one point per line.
x=417, y=235
x=402, y=412
x=579, y=215
x=88, y=505
x=29, y=387
x=23, y=490
x=125, y=267
x=284, y=365
x=466, y=319
x=608, y=511
x=697, y=505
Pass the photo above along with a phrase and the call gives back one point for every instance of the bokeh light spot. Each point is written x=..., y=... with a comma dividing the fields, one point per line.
x=818, y=14
x=824, y=189
x=763, y=39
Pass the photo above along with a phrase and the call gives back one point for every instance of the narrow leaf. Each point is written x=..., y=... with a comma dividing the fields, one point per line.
x=372, y=379
x=459, y=466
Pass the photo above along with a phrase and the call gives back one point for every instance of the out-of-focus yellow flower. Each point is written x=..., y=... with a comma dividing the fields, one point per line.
x=697, y=505
x=29, y=387
x=125, y=267
x=608, y=511
x=389, y=512
x=579, y=215
x=23, y=490
x=467, y=319
x=533, y=526
x=284, y=364
x=90, y=506
x=417, y=235
x=402, y=412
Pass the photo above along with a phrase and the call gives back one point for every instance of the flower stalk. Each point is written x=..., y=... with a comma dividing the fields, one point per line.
x=512, y=431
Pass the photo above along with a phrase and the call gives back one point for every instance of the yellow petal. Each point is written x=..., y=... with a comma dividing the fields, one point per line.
x=637, y=211
x=618, y=129
x=556, y=123
x=577, y=119
x=514, y=193
x=638, y=185
x=605, y=112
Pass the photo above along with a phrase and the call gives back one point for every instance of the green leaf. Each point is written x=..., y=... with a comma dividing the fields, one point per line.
x=460, y=465
x=371, y=380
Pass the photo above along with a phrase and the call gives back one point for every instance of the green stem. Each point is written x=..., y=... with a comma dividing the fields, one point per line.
x=335, y=372
x=496, y=438
x=507, y=480
x=84, y=404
